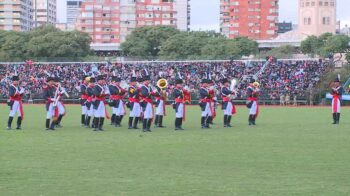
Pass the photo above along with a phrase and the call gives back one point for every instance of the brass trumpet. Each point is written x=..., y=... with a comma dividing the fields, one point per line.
x=162, y=83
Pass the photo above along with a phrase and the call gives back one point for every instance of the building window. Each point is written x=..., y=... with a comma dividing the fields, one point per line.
x=326, y=20
x=307, y=21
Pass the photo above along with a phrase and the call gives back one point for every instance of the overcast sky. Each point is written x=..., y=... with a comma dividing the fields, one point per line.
x=205, y=13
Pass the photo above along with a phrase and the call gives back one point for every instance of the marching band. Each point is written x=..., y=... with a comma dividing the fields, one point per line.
x=146, y=102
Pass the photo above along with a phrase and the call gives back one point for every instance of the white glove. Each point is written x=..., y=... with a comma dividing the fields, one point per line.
x=52, y=99
x=21, y=91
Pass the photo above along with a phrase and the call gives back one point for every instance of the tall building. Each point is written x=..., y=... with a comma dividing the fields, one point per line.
x=317, y=17
x=101, y=20
x=44, y=12
x=16, y=15
x=256, y=19
x=73, y=9
x=183, y=14
x=110, y=21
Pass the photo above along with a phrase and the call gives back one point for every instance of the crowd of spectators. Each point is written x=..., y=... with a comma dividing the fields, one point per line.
x=287, y=78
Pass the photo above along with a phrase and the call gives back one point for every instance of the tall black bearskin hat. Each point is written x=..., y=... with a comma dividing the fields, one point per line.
x=15, y=78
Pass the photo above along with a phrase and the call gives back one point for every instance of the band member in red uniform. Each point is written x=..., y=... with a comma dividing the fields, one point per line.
x=205, y=104
x=100, y=112
x=160, y=96
x=15, y=103
x=180, y=97
x=83, y=99
x=336, y=91
x=252, y=103
x=60, y=105
x=227, y=102
x=134, y=103
x=116, y=101
x=213, y=99
x=146, y=104
x=50, y=95
x=89, y=101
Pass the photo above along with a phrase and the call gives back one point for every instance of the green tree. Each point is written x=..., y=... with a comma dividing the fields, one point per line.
x=310, y=45
x=335, y=44
x=247, y=46
x=285, y=51
x=147, y=41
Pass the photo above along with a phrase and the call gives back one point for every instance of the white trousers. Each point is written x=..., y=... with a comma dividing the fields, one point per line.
x=61, y=109
x=90, y=111
x=50, y=112
x=101, y=111
x=228, y=110
x=159, y=109
x=148, y=113
x=336, y=105
x=84, y=110
x=136, y=110
x=207, y=111
x=119, y=110
x=15, y=109
x=253, y=110
x=180, y=110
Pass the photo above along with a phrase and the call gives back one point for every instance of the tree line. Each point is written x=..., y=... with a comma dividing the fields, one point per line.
x=47, y=41
x=167, y=43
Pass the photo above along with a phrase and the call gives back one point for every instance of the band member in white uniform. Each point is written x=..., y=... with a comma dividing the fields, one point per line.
x=336, y=91
x=116, y=101
x=49, y=94
x=227, y=102
x=179, y=95
x=205, y=104
x=134, y=103
x=15, y=103
x=89, y=102
x=252, y=103
x=146, y=95
x=100, y=112
x=83, y=99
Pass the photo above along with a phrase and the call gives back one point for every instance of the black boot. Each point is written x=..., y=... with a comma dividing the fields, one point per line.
x=176, y=124
x=161, y=122
x=19, y=123
x=149, y=123
x=225, y=120
x=87, y=122
x=47, y=125
x=334, y=118
x=130, y=122
x=9, y=123
x=338, y=118
x=208, y=121
x=229, y=121
x=116, y=121
x=113, y=119
x=58, y=123
x=100, y=124
x=156, y=121
x=96, y=122
x=53, y=124
x=250, y=119
x=120, y=120
x=253, y=119
x=203, y=122
x=136, y=122
x=180, y=124
x=83, y=120
x=144, y=125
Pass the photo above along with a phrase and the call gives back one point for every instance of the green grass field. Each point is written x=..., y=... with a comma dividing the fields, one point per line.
x=292, y=151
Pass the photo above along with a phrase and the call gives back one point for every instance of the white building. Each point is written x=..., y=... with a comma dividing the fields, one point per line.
x=183, y=15
x=73, y=10
x=317, y=17
x=16, y=15
x=44, y=12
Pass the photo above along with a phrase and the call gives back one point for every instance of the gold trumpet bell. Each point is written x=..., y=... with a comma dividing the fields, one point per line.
x=162, y=83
